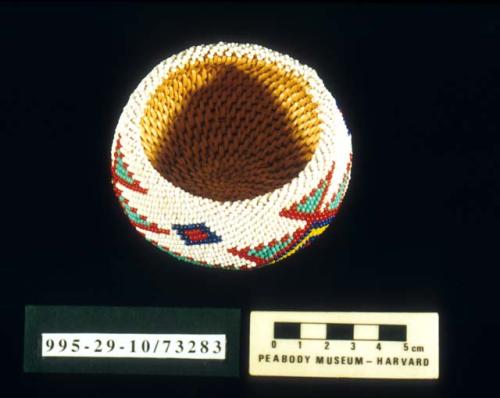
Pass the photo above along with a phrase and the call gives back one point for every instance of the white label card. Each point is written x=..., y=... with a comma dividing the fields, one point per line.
x=382, y=345
x=122, y=345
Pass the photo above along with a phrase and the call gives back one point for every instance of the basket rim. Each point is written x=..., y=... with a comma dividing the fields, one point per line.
x=222, y=48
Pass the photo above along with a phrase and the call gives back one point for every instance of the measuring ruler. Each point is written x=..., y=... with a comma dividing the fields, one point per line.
x=344, y=344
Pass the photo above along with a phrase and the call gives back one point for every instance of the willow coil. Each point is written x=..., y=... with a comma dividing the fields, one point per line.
x=231, y=155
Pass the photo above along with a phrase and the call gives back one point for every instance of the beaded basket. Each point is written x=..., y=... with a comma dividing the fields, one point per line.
x=231, y=155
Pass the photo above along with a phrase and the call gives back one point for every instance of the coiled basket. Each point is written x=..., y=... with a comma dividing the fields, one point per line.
x=231, y=155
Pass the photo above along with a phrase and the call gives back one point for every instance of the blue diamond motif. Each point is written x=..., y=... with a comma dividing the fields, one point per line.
x=196, y=234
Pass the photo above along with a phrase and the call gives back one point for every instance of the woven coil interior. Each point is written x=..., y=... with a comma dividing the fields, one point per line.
x=230, y=128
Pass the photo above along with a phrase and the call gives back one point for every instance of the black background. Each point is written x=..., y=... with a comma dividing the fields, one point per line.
x=418, y=87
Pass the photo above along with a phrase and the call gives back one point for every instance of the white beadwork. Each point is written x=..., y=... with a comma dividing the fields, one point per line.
x=241, y=223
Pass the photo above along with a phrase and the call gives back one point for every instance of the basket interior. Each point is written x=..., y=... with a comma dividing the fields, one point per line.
x=230, y=128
